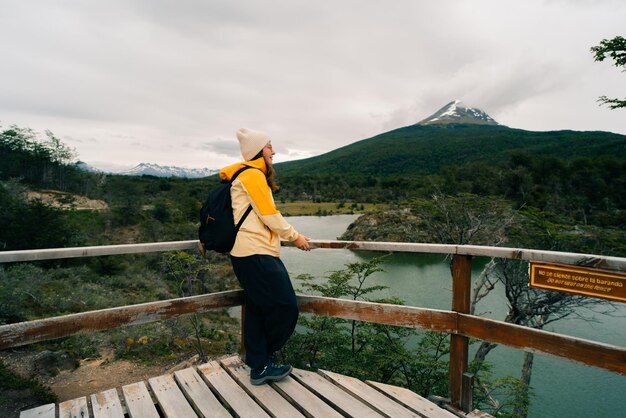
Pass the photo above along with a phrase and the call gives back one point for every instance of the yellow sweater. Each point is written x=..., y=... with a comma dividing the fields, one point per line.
x=262, y=230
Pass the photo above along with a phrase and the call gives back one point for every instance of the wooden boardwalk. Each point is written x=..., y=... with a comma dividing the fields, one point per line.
x=222, y=389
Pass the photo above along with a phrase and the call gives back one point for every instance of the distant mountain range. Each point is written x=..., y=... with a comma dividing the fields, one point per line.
x=452, y=136
x=157, y=171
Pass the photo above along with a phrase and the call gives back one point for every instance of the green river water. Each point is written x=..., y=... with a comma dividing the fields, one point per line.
x=562, y=388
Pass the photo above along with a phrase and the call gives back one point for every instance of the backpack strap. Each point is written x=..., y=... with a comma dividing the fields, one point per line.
x=247, y=212
x=241, y=170
x=243, y=218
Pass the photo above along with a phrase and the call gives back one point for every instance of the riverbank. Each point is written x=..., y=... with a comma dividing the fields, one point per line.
x=308, y=208
x=424, y=280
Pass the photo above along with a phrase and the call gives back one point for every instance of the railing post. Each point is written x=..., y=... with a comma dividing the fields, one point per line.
x=461, y=284
x=467, y=402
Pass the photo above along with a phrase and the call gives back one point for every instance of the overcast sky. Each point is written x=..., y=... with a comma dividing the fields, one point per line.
x=169, y=82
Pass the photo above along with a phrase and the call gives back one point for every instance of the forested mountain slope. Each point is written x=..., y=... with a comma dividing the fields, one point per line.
x=426, y=149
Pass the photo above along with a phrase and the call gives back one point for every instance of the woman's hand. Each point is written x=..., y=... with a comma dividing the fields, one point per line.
x=302, y=243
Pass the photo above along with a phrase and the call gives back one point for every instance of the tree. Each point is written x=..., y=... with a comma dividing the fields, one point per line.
x=470, y=220
x=530, y=307
x=43, y=162
x=60, y=155
x=364, y=350
x=615, y=49
x=31, y=224
x=465, y=219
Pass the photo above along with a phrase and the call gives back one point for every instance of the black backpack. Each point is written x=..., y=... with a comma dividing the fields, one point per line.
x=217, y=230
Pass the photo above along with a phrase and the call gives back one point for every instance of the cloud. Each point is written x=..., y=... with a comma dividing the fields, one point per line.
x=71, y=139
x=229, y=148
x=163, y=74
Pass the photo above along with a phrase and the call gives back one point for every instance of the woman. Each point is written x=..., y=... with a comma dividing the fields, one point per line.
x=271, y=307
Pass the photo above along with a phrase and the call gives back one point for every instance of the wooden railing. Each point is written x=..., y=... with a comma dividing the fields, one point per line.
x=457, y=322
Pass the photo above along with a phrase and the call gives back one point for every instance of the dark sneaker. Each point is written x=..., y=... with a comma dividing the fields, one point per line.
x=270, y=373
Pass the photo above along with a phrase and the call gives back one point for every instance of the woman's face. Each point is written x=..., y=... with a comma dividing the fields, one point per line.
x=268, y=154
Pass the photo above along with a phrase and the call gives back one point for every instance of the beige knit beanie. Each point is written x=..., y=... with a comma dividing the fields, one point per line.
x=251, y=142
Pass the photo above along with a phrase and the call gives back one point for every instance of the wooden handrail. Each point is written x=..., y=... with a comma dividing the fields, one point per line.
x=575, y=259
x=606, y=356
x=24, y=333
x=75, y=252
x=457, y=322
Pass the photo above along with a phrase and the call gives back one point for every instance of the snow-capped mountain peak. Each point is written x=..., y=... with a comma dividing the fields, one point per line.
x=168, y=171
x=150, y=170
x=455, y=113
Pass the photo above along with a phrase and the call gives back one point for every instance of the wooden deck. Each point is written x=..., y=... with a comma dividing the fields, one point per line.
x=222, y=389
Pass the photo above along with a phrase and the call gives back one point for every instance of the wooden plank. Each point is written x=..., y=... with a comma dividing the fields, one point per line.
x=305, y=400
x=199, y=394
x=229, y=391
x=335, y=396
x=170, y=398
x=459, y=344
x=264, y=395
x=43, y=411
x=606, y=356
x=22, y=333
x=74, y=408
x=138, y=401
x=412, y=401
x=107, y=404
x=379, y=313
x=368, y=395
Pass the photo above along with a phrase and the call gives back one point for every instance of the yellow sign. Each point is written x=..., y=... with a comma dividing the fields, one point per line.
x=579, y=280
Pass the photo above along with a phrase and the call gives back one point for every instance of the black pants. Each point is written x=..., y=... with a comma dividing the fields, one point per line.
x=271, y=307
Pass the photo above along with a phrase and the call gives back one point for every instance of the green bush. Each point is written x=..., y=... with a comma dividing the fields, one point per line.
x=10, y=380
x=28, y=225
